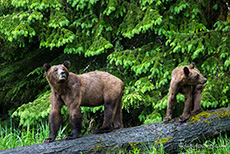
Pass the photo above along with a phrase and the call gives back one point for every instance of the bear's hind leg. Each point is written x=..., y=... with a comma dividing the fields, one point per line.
x=118, y=116
x=171, y=102
x=109, y=112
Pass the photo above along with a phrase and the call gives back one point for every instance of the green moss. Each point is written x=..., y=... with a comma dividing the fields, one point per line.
x=163, y=140
x=135, y=144
x=196, y=118
x=175, y=128
x=223, y=114
x=206, y=121
x=100, y=138
x=216, y=133
x=97, y=148
x=206, y=115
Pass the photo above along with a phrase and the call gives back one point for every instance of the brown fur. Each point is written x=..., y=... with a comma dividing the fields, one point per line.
x=89, y=89
x=190, y=82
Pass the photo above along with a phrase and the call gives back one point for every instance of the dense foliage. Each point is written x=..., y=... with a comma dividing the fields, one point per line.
x=140, y=42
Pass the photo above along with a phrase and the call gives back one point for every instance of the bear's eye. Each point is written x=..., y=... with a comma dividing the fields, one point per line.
x=197, y=76
x=55, y=69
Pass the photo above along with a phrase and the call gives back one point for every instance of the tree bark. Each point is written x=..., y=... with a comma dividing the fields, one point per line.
x=171, y=135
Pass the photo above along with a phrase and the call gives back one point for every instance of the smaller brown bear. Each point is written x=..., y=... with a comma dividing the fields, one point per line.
x=89, y=89
x=190, y=82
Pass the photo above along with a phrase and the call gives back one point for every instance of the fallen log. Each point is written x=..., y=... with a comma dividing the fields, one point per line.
x=171, y=135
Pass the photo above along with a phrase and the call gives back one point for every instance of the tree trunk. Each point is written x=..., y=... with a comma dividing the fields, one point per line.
x=171, y=135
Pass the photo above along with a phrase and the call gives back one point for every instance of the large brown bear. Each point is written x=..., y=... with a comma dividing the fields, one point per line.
x=190, y=82
x=89, y=89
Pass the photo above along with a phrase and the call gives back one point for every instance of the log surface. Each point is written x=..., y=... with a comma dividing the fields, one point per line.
x=171, y=135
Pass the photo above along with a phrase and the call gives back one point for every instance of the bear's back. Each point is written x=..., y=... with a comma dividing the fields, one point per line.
x=98, y=86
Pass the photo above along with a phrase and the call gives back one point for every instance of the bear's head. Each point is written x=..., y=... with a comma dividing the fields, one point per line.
x=193, y=76
x=57, y=73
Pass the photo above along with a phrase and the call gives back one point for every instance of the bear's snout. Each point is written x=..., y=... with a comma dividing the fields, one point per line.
x=62, y=75
x=204, y=81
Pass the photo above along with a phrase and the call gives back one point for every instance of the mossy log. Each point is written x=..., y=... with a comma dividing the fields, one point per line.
x=197, y=128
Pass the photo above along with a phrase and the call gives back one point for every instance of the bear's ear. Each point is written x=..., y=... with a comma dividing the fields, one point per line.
x=186, y=71
x=67, y=64
x=46, y=66
x=192, y=65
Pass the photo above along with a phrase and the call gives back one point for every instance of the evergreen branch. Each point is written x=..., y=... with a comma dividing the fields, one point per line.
x=10, y=16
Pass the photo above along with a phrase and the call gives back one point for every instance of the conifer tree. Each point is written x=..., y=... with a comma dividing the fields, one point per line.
x=141, y=42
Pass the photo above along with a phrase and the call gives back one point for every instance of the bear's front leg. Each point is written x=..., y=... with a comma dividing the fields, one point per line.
x=197, y=99
x=187, y=106
x=54, y=121
x=76, y=121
